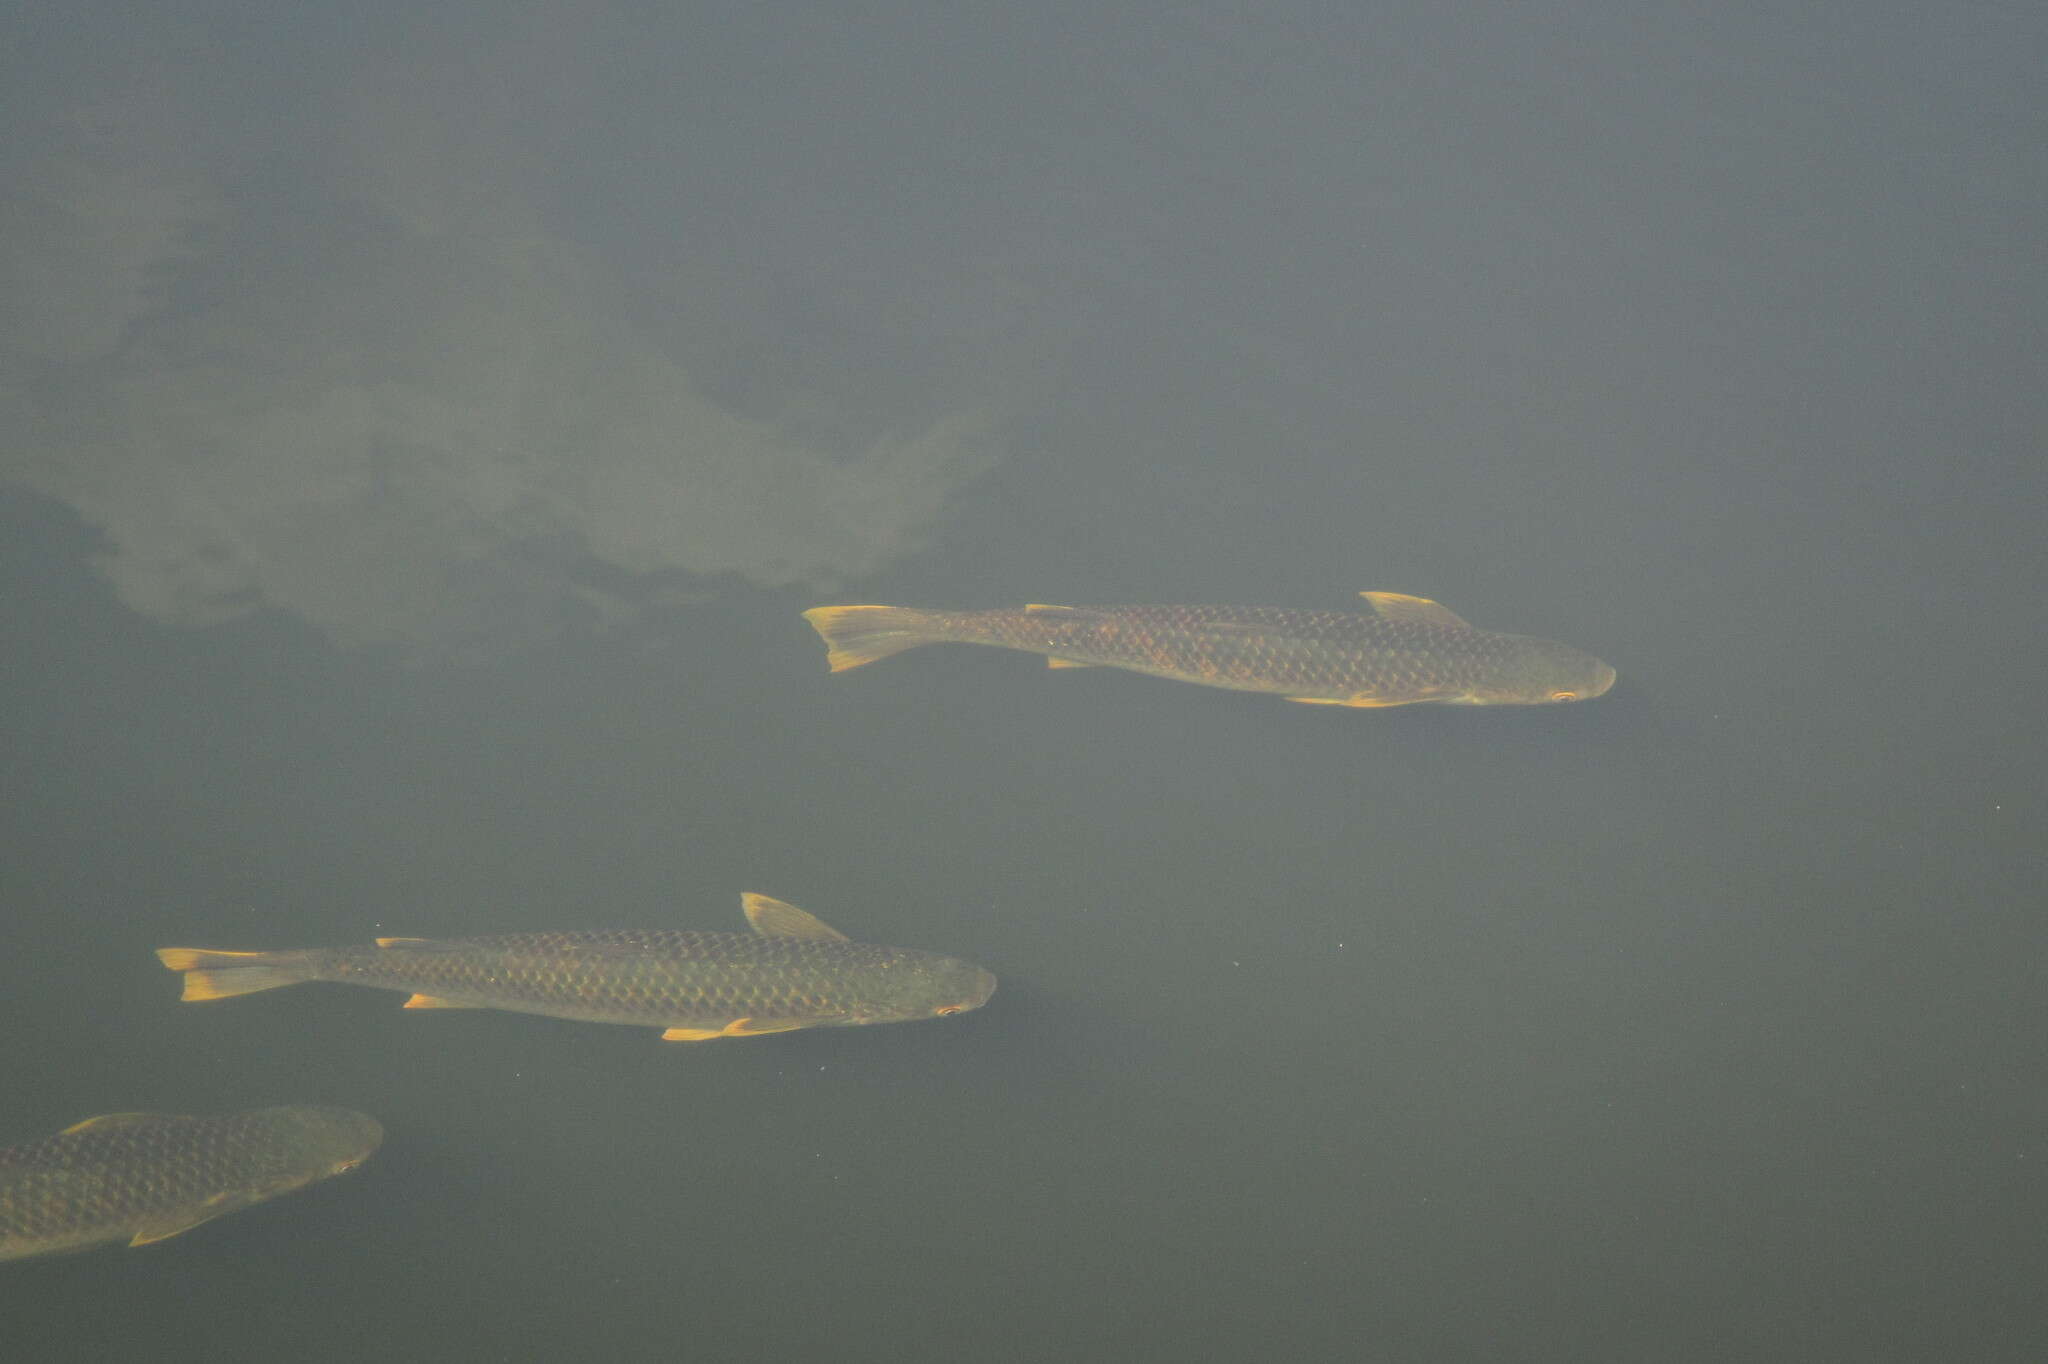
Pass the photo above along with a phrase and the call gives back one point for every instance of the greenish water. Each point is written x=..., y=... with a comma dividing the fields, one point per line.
x=1697, y=1022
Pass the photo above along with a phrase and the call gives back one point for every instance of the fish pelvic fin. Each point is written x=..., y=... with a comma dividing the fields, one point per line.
x=219, y=975
x=761, y=1027
x=855, y=635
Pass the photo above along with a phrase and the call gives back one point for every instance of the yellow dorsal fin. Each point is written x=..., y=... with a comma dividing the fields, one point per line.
x=772, y=918
x=1066, y=663
x=434, y=1002
x=107, y=1122
x=400, y=942
x=1421, y=610
x=1041, y=606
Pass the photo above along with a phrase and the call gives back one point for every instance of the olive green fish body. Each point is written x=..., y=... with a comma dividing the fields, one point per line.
x=792, y=972
x=658, y=978
x=139, y=1177
x=1403, y=651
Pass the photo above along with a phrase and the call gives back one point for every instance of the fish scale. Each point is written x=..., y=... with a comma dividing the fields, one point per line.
x=792, y=972
x=1402, y=651
x=648, y=977
x=144, y=1176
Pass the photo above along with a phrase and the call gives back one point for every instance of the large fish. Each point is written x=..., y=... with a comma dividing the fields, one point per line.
x=1403, y=651
x=792, y=971
x=139, y=1177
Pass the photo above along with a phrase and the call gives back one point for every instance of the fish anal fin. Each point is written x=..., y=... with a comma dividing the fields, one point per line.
x=401, y=942
x=773, y=918
x=691, y=1034
x=761, y=1027
x=109, y=1122
x=435, y=1002
x=1421, y=610
x=1066, y=663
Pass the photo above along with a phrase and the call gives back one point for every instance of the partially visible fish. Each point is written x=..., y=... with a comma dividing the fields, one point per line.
x=140, y=1177
x=1404, y=651
x=792, y=971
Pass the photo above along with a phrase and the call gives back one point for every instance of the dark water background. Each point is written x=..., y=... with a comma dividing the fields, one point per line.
x=1701, y=1022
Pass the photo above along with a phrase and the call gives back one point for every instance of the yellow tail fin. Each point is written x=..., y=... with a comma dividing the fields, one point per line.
x=218, y=975
x=855, y=635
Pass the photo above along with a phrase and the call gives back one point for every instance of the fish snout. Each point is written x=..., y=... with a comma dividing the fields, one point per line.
x=974, y=987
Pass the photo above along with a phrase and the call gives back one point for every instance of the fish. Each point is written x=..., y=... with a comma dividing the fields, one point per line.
x=142, y=1177
x=793, y=971
x=1403, y=651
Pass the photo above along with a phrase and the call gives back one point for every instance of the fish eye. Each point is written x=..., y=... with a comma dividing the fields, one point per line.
x=945, y=1009
x=1564, y=696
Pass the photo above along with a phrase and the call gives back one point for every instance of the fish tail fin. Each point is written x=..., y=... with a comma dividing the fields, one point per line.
x=217, y=975
x=855, y=635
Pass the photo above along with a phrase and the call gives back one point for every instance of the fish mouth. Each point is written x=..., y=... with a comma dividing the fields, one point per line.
x=1602, y=680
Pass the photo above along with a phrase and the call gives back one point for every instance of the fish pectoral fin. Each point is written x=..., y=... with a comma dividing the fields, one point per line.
x=436, y=1002
x=401, y=942
x=761, y=1027
x=163, y=1226
x=773, y=918
x=1366, y=700
x=1395, y=606
x=739, y=1027
x=1066, y=663
x=109, y=1122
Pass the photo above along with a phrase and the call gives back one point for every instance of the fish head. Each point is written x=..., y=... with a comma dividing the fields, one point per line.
x=924, y=985
x=319, y=1142
x=1535, y=672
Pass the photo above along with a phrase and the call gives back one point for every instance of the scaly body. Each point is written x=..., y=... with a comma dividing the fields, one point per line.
x=791, y=972
x=139, y=1177
x=1404, y=651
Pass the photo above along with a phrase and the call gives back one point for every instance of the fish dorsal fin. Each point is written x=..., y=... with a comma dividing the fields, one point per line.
x=112, y=1122
x=401, y=942
x=1040, y=608
x=1419, y=610
x=772, y=918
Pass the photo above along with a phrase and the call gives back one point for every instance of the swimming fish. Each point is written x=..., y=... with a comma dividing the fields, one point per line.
x=1404, y=651
x=792, y=971
x=140, y=1177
